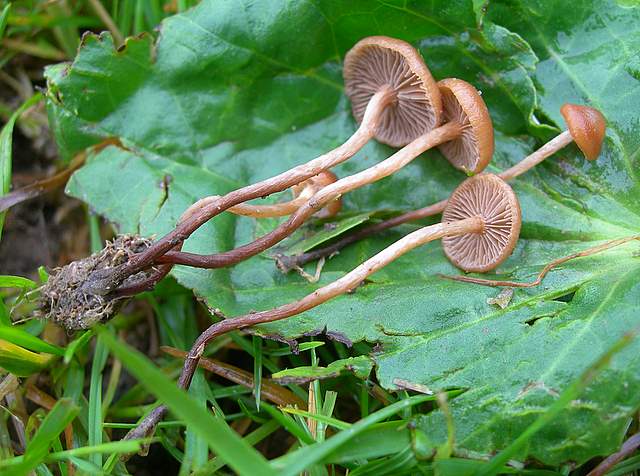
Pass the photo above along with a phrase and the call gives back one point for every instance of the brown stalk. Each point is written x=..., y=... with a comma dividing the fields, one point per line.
x=322, y=198
x=342, y=285
x=280, y=182
x=629, y=447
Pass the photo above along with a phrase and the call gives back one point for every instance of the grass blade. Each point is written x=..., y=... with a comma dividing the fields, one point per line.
x=6, y=148
x=4, y=17
x=295, y=462
x=54, y=423
x=257, y=369
x=95, y=399
x=238, y=454
x=19, y=361
x=16, y=335
x=16, y=282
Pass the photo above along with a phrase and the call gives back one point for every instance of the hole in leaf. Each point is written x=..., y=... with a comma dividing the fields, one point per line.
x=568, y=297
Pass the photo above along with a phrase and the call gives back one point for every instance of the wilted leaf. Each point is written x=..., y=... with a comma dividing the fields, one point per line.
x=233, y=94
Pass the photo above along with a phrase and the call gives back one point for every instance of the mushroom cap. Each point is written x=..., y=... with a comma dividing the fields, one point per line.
x=309, y=187
x=487, y=196
x=379, y=61
x=461, y=102
x=587, y=127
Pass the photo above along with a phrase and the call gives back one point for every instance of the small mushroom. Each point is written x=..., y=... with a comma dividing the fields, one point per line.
x=473, y=149
x=586, y=127
x=380, y=63
x=301, y=193
x=489, y=197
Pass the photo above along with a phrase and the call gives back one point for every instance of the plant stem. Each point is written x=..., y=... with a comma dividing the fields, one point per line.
x=287, y=263
x=349, y=281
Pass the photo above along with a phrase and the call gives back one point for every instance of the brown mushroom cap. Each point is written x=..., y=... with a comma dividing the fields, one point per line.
x=587, y=127
x=377, y=61
x=314, y=184
x=487, y=196
x=462, y=103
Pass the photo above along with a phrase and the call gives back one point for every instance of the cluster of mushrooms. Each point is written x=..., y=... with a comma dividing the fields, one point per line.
x=396, y=101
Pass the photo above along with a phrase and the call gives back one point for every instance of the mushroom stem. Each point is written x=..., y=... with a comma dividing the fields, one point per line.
x=343, y=285
x=331, y=192
x=287, y=263
x=379, y=101
x=554, y=145
x=255, y=211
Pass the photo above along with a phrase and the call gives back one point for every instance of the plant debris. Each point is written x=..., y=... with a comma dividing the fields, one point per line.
x=71, y=297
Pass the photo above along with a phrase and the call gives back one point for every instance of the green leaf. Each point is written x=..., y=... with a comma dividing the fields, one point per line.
x=360, y=366
x=232, y=95
x=16, y=282
x=16, y=335
x=223, y=440
x=6, y=137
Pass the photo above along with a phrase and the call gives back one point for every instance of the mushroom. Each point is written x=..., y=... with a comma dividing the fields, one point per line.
x=301, y=192
x=377, y=64
x=470, y=127
x=480, y=230
x=473, y=149
x=586, y=126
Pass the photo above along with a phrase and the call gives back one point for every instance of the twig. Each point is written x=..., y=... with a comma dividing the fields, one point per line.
x=514, y=284
x=270, y=391
x=40, y=187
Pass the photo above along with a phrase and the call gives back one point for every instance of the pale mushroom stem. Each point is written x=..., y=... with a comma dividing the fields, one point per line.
x=255, y=211
x=287, y=263
x=331, y=192
x=376, y=106
x=341, y=286
x=554, y=145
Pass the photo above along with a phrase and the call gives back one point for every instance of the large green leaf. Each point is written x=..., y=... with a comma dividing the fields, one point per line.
x=234, y=92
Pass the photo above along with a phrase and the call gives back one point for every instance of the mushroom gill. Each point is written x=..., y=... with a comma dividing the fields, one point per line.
x=377, y=62
x=461, y=103
x=489, y=197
